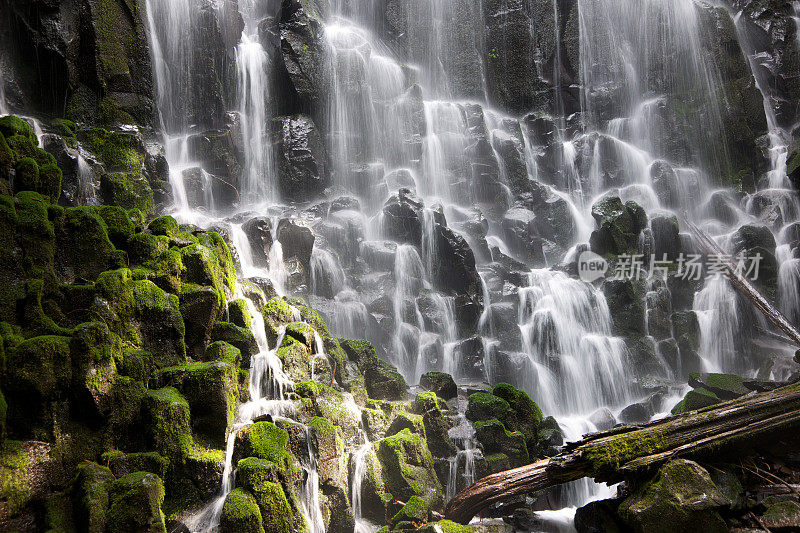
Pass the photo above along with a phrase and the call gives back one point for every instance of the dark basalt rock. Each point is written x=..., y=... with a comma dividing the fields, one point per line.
x=303, y=52
x=619, y=226
x=259, y=235
x=297, y=241
x=302, y=165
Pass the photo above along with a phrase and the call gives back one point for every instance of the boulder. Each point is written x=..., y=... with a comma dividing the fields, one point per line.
x=618, y=226
x=682, y=496
x=302, y=165
x=240, y=513
x=135, y=504
x=407, y=468
x=259, y=236
x=440, y=383
x=297, y=241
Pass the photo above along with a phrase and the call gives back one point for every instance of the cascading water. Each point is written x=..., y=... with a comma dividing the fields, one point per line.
x=393, y=125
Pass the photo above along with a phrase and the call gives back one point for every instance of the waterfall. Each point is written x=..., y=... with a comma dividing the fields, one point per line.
x=3, y=104
x=359, y=473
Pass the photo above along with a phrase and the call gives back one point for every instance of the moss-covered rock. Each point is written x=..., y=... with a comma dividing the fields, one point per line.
x=135, y=504
x=695, y=399
x=238, y=313
x=222, y=351
x=409, y=421
x=241, y=514
x=165, y=225
x=407, y=468
x=117, y=151
x=618, y=226
x=121, y=463
x=415, y=510
x=495, y=438
x=277, y=313
x=95, y=352
x=90, y=496
x=11, y=125
x=212, y=392
x=338, y=407
x=681, y=497
x=26, y=177
x=440, y=383
x=129, y=190
x=383, y=381
x=331, y=457
x=200, y=308
x=167, y=423
x=243, y=339
x=143, y=314
x=784, y=516
x=296, y=354
x=38, y=375
x=485, y=406
x=264, y=440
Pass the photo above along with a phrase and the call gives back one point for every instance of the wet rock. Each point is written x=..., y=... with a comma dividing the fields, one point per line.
x=665, y=184
x=782, y=516
x=627, y=311
x=510, y=147
x=454, y=269
x=619, y=226
x=598, y=517
x=696, y=399
x=495, y=438
x=658, y=314
x=519, y=228
x=603, y=419
x=297, y=241
x=302, y=51
x=719, y=206
x=302, y=165
x=754, y=242
x=407, y=468
x=682, y=496
x=666, y=237
x=259, y=235
x=379, y=255
x=220, y=153
x=440, y=383
x=471, y=362
x=401, y=218
x=725, y=386
x=200, y=308
x=637, y=413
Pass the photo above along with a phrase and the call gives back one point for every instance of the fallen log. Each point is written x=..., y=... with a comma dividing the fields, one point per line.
x=614, y=455
x=740, y=282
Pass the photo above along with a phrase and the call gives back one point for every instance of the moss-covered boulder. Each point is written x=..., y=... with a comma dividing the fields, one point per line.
x=211, y=390
x=415, y=511
x=243, y=339
x=495, y=438
x=331, y=457
x=241, y=514
x=200, y=308
x=682, y=497
x=222, y=351
x=135, y=504
x=143, y=314
x=296, y=353
x=440, y=383
x=167, y=423
x=782, y=516
x=38, y=375
x=695, y=399
x=121, y=463
x=117, y=151
x=331, y=404
x=90, y=496
x=407, y=468
x=618, y=226
x=95, y=352
x=485, y=406
x=85, y=249
x=724, y=386
x=264, y=440
x=383, y=381
x=129, y=190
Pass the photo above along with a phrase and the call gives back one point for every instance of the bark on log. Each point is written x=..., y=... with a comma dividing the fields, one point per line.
x=710, y=247
x=613, y=455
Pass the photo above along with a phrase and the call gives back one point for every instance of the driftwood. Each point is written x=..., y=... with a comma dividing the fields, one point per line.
x=613, y=455
x=710, y=247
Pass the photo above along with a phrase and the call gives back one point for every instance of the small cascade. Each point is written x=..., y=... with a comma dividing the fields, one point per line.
x=462, y=465
x=309, y=495
x=86, y=194
x=253, y=84
x=576, y=365
x=359, y=473
x=3, y=104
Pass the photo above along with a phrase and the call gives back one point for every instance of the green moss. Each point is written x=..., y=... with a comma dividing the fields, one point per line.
x=119, y=225
x=12, y=125
x=612, y=453
x=241, y=513
x=415, y=510
x=129, y=190
x=27, y=175
x=525, y=409
x=115, y=150
x=58, y=514
x=65, y=128
x=695, y=399
x=445, y=526
x=222, y=351
x=167, y=421
x=165, y=225
x=121, y=463
x=145, y=247
x=407, y=467
x=50, y=177
x=86, y=243
x=14, y=487
x=89, y=489
x=485, y=406
x=239, y=314
x=495, y=438
x=135, y=504
x=264, y=440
